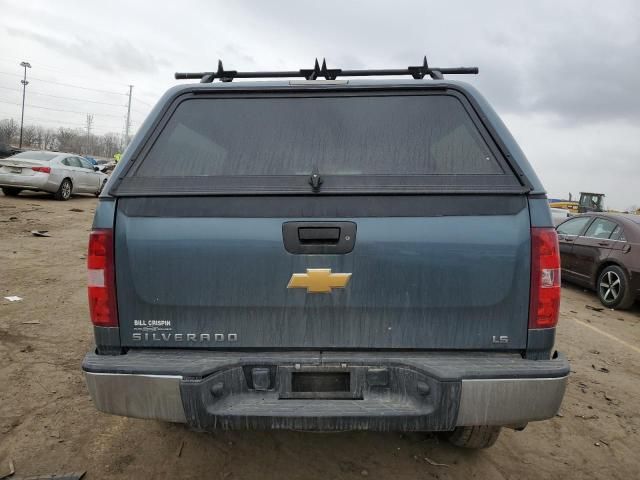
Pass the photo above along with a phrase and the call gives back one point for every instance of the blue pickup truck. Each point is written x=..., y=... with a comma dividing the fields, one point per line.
x=326, y=254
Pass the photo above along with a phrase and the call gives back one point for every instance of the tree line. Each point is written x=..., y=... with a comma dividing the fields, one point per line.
x=72, y=140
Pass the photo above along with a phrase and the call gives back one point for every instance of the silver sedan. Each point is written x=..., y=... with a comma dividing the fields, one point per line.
x=62, y=174
x=559, y=215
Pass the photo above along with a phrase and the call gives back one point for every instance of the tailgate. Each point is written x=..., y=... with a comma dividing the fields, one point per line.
x=419, y=279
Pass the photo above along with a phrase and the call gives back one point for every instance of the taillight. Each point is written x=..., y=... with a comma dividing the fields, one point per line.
x=544, y=306
x=41, y=169
x=102, y=285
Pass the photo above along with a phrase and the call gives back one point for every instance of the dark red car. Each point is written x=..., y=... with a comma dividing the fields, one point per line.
x=601, y=251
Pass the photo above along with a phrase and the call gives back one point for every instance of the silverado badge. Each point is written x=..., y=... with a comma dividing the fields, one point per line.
x=319, y=280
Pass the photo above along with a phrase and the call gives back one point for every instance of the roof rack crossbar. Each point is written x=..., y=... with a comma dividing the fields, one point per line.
x=417, y=72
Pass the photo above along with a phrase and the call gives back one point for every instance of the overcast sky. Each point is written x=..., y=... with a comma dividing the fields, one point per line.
x=564, y=75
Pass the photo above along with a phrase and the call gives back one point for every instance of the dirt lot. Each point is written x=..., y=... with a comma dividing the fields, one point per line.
x=48, y=424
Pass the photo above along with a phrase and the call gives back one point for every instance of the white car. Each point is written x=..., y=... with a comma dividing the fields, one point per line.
x=62, y=174
x=559, y=215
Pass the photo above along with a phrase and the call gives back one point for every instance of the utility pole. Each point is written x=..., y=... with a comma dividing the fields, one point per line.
x=128, y=125
x=89, y=124
x=24, y=90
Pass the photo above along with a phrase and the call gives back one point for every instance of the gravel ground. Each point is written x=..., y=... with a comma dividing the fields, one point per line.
x=48, y=424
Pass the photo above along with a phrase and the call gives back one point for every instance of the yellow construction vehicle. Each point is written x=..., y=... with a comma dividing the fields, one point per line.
x=589, y=202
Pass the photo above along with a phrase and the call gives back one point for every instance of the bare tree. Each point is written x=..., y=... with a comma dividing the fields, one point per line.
x=8, y=131
x=68, y=139
x=110, y=145
x=62, y=139
x=39, y=137
x=49, y=139
x=29, y=136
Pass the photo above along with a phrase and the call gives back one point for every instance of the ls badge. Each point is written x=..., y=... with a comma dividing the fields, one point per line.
x=319, y=280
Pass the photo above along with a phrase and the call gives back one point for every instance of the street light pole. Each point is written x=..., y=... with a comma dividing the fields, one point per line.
x=128, y=124
x=24, y=90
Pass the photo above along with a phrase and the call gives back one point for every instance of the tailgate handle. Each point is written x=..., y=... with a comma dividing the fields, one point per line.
x=319, y=235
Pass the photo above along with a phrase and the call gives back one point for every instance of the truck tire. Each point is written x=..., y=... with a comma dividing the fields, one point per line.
x=64, y=192
x=481, y=436
x=613, y=288
x=11, y=191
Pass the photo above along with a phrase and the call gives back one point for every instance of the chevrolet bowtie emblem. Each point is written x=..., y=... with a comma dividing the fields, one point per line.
x=319, y=280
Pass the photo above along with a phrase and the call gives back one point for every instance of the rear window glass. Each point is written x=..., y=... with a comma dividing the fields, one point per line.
x=617, y=234
x=44, y=156
x=600, y=228
x=394, y=135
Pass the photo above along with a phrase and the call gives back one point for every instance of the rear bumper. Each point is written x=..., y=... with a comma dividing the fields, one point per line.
x=29, y=182
x=386, y=391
